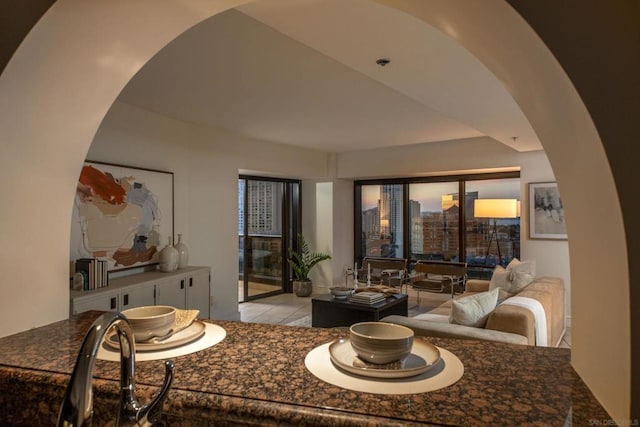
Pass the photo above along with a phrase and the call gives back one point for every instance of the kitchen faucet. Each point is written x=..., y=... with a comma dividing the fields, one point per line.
x=77, y=405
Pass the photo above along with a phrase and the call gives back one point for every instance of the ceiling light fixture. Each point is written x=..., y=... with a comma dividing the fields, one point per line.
x=382, y=62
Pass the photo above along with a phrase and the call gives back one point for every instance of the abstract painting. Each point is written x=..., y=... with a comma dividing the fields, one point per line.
x=121, y=214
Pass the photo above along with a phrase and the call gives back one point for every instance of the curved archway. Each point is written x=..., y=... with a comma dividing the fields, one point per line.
x=71, y=67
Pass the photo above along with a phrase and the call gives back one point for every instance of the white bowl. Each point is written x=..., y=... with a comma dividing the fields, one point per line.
x=380, y=342
x=341, y=293
x=150, y=321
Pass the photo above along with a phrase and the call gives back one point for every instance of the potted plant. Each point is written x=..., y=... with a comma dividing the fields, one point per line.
x=302, y=262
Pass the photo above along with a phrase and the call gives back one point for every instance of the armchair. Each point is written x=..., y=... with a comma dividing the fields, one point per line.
x=440, y=275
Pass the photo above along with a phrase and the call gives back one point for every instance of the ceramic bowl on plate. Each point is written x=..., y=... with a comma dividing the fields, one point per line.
x=380, y=342
x=341, y=293
x=150, y=321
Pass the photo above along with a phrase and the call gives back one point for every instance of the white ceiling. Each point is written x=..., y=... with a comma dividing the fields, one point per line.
x=304, y=73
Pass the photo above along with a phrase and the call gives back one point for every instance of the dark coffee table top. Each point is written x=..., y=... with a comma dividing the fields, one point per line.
x=391, y=300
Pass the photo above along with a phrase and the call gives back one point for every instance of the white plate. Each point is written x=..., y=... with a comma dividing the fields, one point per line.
x=185, y=336
x=423, y=357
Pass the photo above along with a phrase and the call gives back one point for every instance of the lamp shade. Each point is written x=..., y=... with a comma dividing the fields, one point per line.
x=495, y=208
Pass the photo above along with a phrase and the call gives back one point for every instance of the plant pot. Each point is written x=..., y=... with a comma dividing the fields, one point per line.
x=302, y=288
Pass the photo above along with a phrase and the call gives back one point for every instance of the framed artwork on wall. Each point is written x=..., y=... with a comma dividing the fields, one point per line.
x=546, y=214
x=121, y=214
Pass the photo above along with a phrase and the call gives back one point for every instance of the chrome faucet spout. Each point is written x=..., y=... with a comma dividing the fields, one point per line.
x=77, y=405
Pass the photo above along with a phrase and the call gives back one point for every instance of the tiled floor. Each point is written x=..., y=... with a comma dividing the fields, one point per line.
x=286, y=308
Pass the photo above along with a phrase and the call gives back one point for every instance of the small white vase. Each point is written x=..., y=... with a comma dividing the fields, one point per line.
x=169, y=258
x=183, y=253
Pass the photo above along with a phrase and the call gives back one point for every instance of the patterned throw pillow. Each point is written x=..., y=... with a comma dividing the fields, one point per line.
x=474, y=309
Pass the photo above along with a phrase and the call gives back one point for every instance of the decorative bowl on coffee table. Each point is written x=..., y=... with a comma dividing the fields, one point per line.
x=341, y=293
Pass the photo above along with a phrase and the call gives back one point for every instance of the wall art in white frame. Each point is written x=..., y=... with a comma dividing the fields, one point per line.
x=546, y=213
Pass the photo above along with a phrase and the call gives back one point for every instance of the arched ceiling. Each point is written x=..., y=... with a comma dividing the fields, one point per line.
x=304, y=72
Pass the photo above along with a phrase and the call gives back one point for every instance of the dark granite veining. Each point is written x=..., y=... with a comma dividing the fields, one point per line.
x=256, y=375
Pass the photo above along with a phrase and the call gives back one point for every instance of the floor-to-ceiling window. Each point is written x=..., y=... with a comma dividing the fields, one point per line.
x=268, y=217
x=425, y=218
x=434, y=212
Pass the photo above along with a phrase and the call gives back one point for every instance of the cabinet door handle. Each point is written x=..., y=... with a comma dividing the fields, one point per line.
x=182, y=284
x=113, y=303
x=191, y=282
x=126, y=299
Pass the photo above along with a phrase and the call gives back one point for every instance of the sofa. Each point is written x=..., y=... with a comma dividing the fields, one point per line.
x=509, y=322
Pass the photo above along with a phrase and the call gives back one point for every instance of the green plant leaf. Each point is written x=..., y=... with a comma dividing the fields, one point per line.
x=302, y=262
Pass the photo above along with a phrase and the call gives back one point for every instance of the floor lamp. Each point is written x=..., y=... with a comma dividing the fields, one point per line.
x=496, y=209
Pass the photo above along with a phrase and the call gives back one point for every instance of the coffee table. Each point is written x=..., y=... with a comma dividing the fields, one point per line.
x=328, y=312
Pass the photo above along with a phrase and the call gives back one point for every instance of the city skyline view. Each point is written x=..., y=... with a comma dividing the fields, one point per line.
x=429, y=195
x=433, y=213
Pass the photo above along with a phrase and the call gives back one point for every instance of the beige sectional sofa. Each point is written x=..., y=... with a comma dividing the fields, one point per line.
x=508, y=323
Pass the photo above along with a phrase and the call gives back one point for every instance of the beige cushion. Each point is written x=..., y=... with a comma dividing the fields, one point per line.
x=474, y=309
x=500, y=279
x=514, y=278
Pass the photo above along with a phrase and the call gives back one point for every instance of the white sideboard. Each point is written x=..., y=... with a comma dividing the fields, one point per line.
x=186, y=288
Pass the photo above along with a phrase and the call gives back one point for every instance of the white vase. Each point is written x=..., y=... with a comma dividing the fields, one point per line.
x=169, y=258
x=183, y=253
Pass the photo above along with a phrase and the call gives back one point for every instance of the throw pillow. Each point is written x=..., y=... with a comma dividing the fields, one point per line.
x=474, y=309
x=500, y=279
x=514, y=278
x=520, y=274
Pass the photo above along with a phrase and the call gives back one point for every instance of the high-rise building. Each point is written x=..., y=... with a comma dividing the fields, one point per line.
x=371, y=223
x=241, y=188
x=264, y=207
x=391, y=217
x=417, y=238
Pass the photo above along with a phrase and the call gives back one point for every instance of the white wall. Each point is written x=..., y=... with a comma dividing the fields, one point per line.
x=471, y=154
x=328, y=226
x=205, y=163
x=322, y=274
x=342, y=229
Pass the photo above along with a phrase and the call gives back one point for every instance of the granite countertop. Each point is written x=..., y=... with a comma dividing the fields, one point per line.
x=257, y=375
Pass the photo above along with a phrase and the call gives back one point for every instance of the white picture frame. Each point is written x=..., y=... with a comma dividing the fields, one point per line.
x=546, y=213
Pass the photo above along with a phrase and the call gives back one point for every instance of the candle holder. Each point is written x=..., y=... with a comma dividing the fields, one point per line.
x=349, y=278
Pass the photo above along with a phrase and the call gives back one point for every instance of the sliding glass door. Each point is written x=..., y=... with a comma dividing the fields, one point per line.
x=267, y=217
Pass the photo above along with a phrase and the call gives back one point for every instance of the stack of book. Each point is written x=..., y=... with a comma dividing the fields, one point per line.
x=94, y=272
x=369, y=298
